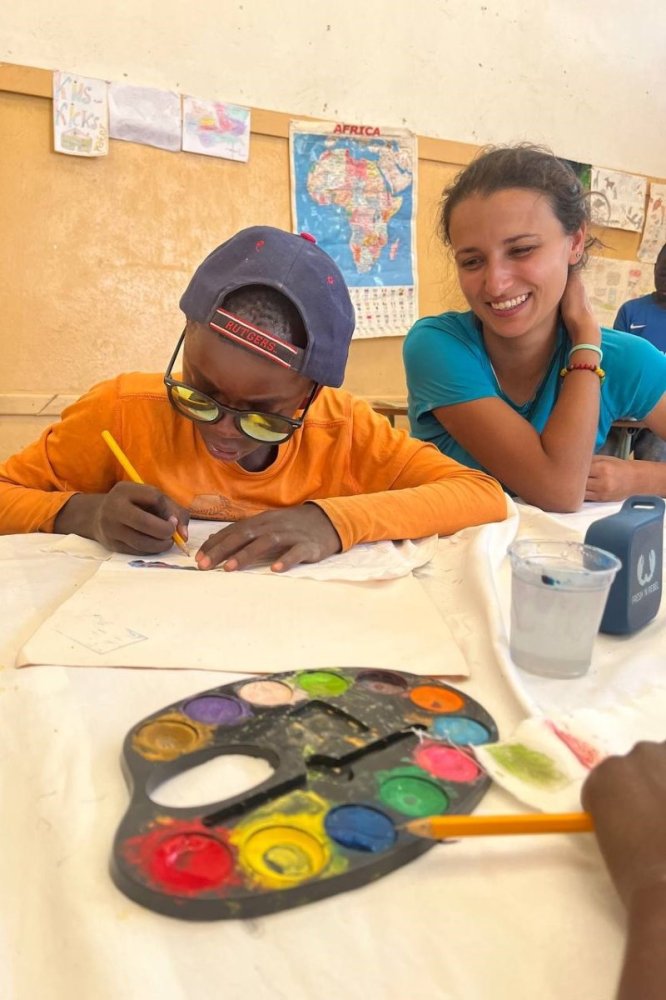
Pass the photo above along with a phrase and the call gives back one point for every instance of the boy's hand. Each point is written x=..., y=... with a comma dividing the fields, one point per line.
x=283, y=537
x=627, y=799
x=130, y=518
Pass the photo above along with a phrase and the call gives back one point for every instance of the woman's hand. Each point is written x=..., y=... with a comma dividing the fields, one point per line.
x=577, y=313
x=616, y=478
x=611, y=478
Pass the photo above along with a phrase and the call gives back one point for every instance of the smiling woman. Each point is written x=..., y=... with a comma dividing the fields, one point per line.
x=526, y=384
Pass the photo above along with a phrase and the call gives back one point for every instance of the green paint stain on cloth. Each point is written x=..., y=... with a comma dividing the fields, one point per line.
x=530, y=766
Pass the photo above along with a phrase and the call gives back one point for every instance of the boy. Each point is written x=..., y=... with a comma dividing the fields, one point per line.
x=646, y=317
x=247, y=434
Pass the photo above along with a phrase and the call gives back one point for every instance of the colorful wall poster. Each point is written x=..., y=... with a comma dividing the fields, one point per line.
x=610, y=283
x=618, y=199
x=654, y=233
x=145, y=115
x=216, y=129
x=353, y=187
x=80, y=115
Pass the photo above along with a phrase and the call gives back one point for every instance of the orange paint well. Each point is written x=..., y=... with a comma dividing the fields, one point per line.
x=436, y=699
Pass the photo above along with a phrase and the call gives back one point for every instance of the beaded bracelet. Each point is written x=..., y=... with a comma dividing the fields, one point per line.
x=587, y=347
x=584, y=368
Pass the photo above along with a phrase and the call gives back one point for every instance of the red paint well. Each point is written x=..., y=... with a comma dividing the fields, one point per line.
x=184, y=858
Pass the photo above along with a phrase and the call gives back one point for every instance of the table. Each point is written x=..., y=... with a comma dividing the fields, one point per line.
x=392, y=408
x=495, y=918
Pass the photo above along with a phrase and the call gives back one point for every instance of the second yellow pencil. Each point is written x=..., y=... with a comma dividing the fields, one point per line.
x=442, y=827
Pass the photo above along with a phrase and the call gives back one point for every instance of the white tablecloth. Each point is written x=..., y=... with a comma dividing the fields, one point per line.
x=483, y=919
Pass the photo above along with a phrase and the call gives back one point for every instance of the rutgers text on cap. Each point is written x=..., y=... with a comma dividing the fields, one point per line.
x=304, y=273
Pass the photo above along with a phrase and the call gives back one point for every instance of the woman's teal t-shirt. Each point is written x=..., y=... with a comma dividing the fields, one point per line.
x=446, y=363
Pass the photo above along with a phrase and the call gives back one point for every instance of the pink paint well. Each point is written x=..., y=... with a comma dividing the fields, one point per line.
x=446, y=763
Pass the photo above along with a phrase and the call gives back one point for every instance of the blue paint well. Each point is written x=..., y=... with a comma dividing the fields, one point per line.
x=360, y=828
x=459, y=730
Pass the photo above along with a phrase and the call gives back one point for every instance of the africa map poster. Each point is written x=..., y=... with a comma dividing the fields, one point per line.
x=353, y=188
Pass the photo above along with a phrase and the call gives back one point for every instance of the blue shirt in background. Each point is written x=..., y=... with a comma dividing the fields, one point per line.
x=645, y=318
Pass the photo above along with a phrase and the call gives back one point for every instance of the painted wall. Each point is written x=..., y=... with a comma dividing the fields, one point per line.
x=584, y=76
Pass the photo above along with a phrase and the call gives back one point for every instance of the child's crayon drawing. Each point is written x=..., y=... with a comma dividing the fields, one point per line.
x=618, y=199
x=216, y=129
x=156, y=564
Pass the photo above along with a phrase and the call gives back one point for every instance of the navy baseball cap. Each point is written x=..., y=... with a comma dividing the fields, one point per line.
x=304, y=273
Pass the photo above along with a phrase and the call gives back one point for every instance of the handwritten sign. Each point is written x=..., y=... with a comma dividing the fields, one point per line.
x=80, y=115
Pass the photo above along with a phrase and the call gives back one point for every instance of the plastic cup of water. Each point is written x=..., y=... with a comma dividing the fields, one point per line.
x=558, y=596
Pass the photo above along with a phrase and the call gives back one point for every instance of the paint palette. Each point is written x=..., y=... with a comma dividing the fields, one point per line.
x=356, y=753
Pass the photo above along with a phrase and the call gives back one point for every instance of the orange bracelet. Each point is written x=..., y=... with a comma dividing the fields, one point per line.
x=595, y=369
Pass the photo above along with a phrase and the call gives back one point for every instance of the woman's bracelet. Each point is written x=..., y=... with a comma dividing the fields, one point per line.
x=595, y=369
x=587, y=347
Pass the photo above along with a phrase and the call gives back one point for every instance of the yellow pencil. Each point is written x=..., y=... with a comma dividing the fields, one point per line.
x=442, y=827
x=136, y=478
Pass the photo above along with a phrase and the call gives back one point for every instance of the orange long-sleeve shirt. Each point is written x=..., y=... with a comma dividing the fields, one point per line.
x=373, y=482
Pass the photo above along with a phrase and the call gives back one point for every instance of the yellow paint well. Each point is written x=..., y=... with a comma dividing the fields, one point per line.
x=285, y=843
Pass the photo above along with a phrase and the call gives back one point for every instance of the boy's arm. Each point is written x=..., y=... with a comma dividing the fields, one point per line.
x=404, y=488
x=68, y=481
x=32, y=491
x=69, y=458
x=433, y=496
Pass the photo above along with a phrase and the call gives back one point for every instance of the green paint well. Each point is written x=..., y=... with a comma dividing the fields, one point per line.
x=530, y=766
x=412, y=792
x=319, y=683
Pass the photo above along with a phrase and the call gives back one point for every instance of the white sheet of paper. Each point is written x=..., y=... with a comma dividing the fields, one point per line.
x=369, y=561
x=145, y=115
x=243, y=622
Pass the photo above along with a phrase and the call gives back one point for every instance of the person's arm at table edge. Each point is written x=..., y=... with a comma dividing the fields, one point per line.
x=626, y=796
x=644, y=966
